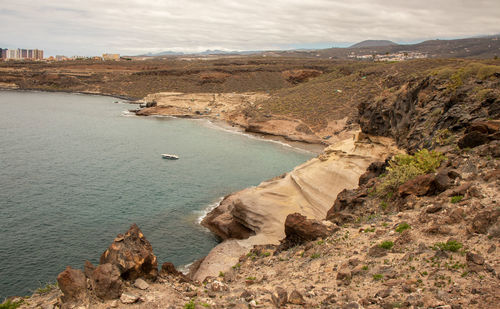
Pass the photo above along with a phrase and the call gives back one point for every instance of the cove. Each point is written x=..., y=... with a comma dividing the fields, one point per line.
x=75, y=171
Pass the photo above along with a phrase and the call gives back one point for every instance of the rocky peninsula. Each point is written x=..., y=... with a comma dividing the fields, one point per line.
x=399, y=211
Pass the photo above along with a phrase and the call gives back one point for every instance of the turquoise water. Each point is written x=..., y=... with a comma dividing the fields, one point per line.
x=75, y=171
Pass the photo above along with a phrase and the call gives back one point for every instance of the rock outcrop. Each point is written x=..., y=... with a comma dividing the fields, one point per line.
x=299, y=229
x=106, y=281
x=310, y=189
x=133, y=255
x=73, y=284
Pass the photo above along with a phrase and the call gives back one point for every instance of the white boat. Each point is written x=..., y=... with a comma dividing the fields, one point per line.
x=169, y=156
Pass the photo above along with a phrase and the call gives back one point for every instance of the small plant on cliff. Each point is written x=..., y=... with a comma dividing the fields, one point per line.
x=315, y=255
x=403, y=226
x=404, y=167
x=47, y=288
x=386, y=244
x=457, y=198
x=450, y=245
x=190, y=304
x=11, y=305
x=378, y=277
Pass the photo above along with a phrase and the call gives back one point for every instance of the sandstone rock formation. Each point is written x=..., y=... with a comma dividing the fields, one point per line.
x=310, y=189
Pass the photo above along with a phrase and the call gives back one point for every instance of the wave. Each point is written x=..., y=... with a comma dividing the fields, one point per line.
x=204, y=212
x=252, y=136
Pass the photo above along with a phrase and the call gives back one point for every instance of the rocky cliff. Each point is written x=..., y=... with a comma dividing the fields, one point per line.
x=417, y=230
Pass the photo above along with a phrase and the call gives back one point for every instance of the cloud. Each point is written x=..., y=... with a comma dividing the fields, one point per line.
x=131, y=26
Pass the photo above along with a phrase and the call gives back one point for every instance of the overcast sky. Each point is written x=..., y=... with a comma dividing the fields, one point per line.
x=91, y=27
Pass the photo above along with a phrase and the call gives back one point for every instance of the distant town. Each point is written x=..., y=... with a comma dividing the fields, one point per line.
x=19, y=54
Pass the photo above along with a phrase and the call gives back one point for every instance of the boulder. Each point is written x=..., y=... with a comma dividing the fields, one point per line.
x=299, y=229
x=106, y=281
x=73, y=284
x=374, y=170
x=168, y=268
x=473, y=139
x=418, y=186
x=483, y=220
x=133, y=255
x=280, y=298
x=296, y=298
x=127, y=298
x=486, y=127
x=141, y=284
x=88, y=269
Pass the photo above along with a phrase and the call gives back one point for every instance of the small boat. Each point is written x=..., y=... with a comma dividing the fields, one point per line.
x=169, y=156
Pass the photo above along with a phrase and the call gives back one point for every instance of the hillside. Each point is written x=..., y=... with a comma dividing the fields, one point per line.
x=373, y=43
x=419, y=230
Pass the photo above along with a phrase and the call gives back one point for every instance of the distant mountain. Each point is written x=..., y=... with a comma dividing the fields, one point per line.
x=373, y=43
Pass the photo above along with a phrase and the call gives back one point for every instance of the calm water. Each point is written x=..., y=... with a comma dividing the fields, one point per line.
x=74, y=172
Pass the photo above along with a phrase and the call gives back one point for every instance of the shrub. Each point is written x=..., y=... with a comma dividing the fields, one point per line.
x=190, y=305
x=377, y=277
x=11, y=305
x=402, y=227
x=315, y=255
x=456, y=198
x=450, y=245
x=404, y=167
x=387, y=244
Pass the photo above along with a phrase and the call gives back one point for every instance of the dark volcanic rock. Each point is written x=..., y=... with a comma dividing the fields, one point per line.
x=299, y=229
x=374, y=170
x=73, y=284
x=473, y=139
x=168, y=268
x=346, y=202
x=418, y=186
x=133, y=255
x=106, y=281
x=483, y=220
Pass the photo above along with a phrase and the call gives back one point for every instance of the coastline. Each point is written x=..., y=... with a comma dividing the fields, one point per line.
x=210, y=121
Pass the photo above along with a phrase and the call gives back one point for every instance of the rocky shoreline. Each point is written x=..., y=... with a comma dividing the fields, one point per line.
x=360, y=226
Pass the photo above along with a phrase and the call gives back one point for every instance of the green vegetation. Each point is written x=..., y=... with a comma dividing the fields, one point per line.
x=384, y=205
x=365, y=267
x=378, y=277
x=237, y=266
x=387, y=244
x=251, y=278
x=443, y=137
x=315, y=255
x=403, y=226
x=221, y=274
x=47, y=288
x=450, y=245
x=404, y=167
x=265, y=254
x=320, y=242
x=190, y=304
x=457, y=198
x=11, y=305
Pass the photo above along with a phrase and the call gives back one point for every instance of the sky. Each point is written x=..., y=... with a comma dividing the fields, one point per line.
x=132, y=27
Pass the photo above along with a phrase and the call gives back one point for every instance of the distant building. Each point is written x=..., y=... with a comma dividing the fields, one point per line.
x=3, y=53
x=22, y=54
x=111, y=57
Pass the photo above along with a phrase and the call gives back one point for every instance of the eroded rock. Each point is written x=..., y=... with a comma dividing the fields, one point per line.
x=133, y=255
x=73, y=284
x=106, y=281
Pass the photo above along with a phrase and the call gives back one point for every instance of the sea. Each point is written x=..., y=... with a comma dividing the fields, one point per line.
x=76, y=170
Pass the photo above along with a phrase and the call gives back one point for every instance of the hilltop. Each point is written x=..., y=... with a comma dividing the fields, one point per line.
x=373, y=43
